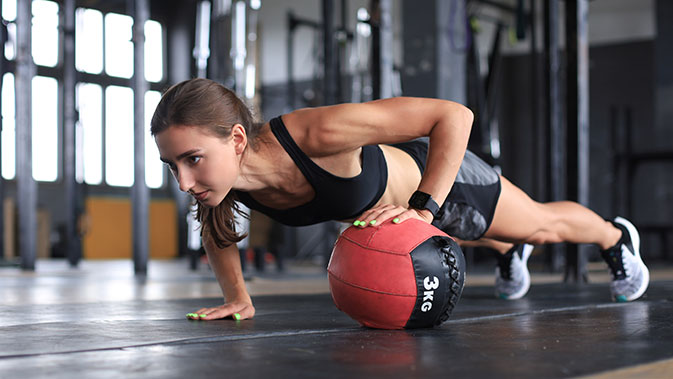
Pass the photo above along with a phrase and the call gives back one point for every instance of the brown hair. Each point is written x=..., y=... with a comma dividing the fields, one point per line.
x=209, y=105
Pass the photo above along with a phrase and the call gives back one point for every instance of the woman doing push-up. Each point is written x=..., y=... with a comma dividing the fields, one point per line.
x=363, y=164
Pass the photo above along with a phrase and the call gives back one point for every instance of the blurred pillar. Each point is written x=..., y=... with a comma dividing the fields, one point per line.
x=451, y=50
x=577, y=143
x=139, y=192
x=26, y=186
x=539, y=126
x=73, y=252
x=435, y=49
x=663, y=63
x=201, y=50
x=386, y=48
x=3, y=38
x=239, y=50
x=329, y=53
x=552, y=100
x=221, y=62
x=180, y=46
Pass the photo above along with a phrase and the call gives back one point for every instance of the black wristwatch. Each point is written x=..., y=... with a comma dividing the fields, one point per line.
x=421, y=200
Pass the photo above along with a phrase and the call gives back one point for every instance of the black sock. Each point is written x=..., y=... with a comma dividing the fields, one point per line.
x=508, y=255
x=625, y=238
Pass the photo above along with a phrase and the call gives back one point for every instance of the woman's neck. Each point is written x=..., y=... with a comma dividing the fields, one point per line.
x=260, y=168
x=273, y=179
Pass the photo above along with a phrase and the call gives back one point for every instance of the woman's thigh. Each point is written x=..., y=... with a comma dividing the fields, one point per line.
x=517, y=217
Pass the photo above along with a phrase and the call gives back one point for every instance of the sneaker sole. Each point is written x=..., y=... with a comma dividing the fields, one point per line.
x=635, y=239
x=525, y=254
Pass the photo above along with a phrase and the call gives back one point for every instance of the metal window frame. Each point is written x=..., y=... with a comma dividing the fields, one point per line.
x=102, y=79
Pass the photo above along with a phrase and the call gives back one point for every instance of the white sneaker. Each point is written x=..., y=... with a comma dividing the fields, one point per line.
x=512, y=279
x=630, y=276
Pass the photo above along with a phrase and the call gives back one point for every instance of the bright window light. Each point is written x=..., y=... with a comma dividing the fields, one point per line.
x=154, y=63
x=119, y=136
x=45, y=33
x=250, y=81
x=89, y=40
x=154, y=168
x=9, y=15
x=8, y=136
x=10, y=44
x=118, y=45
x=45, y=128
x=9, y=10
x=90, y=127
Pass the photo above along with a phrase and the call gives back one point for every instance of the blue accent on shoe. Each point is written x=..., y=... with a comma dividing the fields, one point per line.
x=621, y=299
x=504, y=296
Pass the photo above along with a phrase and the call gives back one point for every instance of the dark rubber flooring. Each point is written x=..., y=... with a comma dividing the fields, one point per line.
x=556, y=331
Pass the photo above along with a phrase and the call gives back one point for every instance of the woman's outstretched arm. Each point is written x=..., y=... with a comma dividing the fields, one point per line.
x=226, y=264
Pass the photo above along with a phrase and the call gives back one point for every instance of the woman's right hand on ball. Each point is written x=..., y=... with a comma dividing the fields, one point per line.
x=244, y=311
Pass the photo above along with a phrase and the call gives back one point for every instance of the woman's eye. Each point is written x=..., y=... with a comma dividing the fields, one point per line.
x=194, y=159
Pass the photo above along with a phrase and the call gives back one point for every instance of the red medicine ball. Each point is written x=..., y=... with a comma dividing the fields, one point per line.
x=394, y=276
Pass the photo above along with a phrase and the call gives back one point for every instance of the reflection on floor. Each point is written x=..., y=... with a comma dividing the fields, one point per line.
x=101, y=321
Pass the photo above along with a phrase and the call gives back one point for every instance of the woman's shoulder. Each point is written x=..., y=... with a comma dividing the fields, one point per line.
x=309, y=129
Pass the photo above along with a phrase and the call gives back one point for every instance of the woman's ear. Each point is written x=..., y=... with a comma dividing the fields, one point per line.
x=239, y=138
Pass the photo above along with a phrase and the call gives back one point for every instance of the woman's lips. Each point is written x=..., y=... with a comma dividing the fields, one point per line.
x=201, y=195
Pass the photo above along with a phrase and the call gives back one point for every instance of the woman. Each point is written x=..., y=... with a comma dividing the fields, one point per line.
x=351, y=162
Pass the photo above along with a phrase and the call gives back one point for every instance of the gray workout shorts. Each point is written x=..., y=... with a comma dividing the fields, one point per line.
x=468, y=210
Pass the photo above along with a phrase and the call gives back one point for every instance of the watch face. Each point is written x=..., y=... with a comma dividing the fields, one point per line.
x=419, y=200
x=422, y=200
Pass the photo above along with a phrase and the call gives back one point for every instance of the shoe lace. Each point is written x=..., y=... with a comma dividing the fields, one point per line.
x=613, y=258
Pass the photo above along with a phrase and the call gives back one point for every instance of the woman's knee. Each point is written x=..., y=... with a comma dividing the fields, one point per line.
x=543, y=237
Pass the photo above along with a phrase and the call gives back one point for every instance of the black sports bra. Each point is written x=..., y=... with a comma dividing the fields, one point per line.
x=336, y=198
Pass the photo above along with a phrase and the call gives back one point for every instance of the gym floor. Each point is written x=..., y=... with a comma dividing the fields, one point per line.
x=100, y=321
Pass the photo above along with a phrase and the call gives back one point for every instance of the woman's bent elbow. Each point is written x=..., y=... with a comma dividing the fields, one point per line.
x=463, y=115
x=470, y=116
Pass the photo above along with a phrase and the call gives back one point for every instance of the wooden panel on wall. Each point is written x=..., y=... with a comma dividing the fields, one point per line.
x=109, y=235
x=10, y=228
x=163, y=229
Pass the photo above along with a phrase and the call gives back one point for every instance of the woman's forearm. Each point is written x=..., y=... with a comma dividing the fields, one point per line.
x=448, y=143
x=226, y=264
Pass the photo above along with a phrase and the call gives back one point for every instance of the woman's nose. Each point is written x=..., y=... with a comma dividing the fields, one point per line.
x=185, y=180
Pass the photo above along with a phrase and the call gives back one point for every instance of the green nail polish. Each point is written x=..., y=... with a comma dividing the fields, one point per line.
x=356, y=222
x=396, y=220
x=203, y=316
x=237, y=316
x=373, y=222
